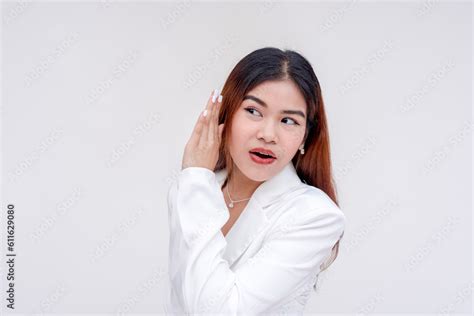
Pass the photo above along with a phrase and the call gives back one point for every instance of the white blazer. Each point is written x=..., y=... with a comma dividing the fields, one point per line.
x=269, y=260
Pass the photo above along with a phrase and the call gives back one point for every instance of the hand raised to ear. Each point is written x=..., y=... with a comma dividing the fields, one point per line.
x=202, y=148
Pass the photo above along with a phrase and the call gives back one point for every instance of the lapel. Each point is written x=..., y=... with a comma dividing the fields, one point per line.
x=253, y=218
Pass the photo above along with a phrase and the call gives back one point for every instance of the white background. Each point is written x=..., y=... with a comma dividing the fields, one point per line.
x=99, y=99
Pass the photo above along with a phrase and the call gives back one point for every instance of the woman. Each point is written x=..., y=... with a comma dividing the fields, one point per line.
x=253, y=214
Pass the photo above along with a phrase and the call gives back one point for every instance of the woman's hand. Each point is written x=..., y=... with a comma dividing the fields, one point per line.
x=202, y=149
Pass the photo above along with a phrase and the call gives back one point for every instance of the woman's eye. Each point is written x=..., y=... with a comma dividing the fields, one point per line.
x=294, y=122
x=249, y=109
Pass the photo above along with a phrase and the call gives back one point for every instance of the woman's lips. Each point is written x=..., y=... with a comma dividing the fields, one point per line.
x=259, y=160
x=263, y=151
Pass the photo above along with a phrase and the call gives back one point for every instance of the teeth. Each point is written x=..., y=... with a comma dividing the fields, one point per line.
x=265, y=155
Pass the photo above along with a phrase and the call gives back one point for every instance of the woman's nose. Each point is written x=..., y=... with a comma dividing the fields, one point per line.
x=268, y=132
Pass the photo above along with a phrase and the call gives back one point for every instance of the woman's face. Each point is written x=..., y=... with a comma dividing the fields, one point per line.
x=260, y=122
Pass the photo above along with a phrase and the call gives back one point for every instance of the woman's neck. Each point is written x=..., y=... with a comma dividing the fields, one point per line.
x=240, y=186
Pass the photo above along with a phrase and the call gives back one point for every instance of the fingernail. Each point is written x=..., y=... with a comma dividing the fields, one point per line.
x=214, y=96
x=204, y=113
x=220, y=98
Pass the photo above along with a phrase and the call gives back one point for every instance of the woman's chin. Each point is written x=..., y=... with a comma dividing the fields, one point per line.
x=259, y=173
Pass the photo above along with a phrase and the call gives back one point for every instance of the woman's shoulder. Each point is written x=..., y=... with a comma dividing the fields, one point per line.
x=311, y=210
x=312, y=201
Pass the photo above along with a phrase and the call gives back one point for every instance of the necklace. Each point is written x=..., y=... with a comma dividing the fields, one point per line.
x=231, y=204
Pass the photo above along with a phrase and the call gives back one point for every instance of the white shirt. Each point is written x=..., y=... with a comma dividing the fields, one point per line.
x=269, y=260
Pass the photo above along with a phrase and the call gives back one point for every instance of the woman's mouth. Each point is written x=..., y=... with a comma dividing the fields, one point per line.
x=261, y=158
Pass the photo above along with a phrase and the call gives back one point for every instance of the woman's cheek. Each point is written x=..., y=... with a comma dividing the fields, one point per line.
x=294, y=135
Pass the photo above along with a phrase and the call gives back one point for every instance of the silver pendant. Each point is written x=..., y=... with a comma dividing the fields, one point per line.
x=231, y=204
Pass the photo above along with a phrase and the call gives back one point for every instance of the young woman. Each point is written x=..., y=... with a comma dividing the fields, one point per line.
x=253, y=214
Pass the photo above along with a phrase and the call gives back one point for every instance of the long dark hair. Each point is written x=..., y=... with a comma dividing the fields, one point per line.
x=270, y=63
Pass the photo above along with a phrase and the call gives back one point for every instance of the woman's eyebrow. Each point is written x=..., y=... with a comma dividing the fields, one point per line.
x=259, y=101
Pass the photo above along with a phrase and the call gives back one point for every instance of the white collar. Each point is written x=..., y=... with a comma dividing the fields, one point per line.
x=254, y=218
x=272, y=189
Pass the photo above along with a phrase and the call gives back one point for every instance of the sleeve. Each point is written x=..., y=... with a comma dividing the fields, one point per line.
x=202, y=279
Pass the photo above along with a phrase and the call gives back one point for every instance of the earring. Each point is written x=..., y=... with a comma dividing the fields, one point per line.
x=302, y=149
